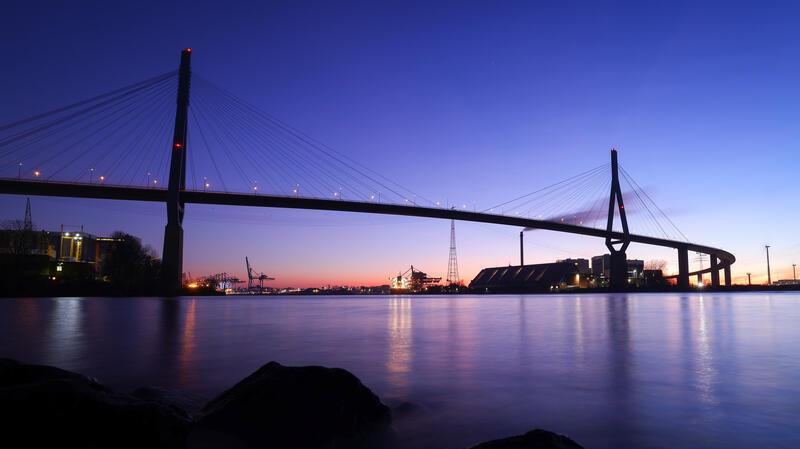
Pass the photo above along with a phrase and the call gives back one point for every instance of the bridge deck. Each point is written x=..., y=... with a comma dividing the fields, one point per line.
x=113, y=192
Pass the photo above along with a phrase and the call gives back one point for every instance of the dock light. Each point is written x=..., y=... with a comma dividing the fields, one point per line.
x=37, y=173
x=207, y=185
x=102, y=178
x=155, y=181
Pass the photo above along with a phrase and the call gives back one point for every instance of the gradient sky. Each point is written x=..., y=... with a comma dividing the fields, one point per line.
x=479, y=101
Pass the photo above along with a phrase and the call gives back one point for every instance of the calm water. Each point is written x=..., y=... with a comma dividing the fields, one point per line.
x=612, y=371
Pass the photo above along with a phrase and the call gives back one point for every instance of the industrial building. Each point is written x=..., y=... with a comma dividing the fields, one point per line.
x=582, y=265
x=62, y=254
x=527, y=278
x=601, y=269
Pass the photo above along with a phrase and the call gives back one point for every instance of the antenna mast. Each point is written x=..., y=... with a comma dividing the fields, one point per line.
x=452, y=264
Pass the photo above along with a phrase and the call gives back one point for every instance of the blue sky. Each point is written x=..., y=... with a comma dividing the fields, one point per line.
x=480, y=101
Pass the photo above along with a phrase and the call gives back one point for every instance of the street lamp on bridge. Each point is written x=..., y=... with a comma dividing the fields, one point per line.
x=769, y=275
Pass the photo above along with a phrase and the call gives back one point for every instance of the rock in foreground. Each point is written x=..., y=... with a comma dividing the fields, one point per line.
x=44, y=406
x=297, y=407
x=535, y=439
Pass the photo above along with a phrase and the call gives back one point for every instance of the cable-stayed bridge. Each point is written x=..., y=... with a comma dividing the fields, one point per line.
x=133, y=144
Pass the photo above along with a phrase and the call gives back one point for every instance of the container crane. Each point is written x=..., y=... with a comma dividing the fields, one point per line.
x=253, y=276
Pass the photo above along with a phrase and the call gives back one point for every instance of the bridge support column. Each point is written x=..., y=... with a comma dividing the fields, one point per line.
x=727, y=271
x=619, y=271
x=699, y=279
x=714, y=270
x=172, y=258
x=683, y=268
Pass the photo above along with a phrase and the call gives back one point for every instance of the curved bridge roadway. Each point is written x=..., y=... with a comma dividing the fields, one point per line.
x=105, y=191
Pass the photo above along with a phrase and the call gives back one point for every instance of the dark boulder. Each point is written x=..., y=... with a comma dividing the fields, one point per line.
x=45, y=406
x=297, y=407
x=535, y=439
x=14, y=373
x=182, y=403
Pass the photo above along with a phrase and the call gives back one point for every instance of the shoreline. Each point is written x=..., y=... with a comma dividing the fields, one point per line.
x=107, y=293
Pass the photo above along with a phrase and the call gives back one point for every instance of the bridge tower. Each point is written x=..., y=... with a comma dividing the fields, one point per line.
x=619, y=260
x=172, y=261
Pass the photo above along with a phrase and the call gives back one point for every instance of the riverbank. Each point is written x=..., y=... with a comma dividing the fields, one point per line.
x=106, y=290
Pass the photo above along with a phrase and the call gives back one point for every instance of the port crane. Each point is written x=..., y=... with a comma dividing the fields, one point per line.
x=252, y=276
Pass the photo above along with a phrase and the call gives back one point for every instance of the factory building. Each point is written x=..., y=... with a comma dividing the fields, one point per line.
x=582, y=265
x=55, y=254
x=601, y=268
x=63, y=254
x=532, y=278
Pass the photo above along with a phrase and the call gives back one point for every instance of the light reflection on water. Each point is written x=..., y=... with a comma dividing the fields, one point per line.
x=643, y=371
x=400, y=353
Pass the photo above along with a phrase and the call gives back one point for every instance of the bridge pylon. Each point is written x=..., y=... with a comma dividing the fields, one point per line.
x=683, y=267
x=172, y=260
x=619, y=261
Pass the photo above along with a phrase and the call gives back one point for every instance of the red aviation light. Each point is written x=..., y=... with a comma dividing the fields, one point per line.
x=178, y=146
x=188, y=50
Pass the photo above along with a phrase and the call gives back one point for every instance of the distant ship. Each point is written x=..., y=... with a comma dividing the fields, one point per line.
x=412, y=281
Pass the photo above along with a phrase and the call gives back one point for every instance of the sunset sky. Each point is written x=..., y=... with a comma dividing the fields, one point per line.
x=466, y=102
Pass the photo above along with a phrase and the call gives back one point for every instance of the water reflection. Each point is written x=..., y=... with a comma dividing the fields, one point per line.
x=619, y=335
x=187, y=345
x=400, y=351
x=705, y=364
x=169, y=314
x=65, y=332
